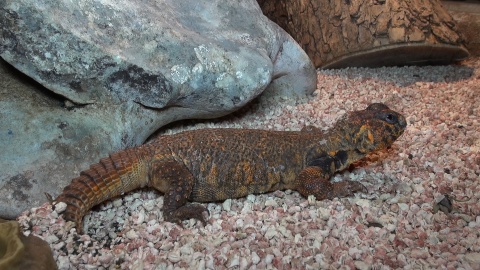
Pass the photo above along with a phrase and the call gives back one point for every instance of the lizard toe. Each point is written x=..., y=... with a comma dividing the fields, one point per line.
x=355, y=187
x=348, y=188
x=186, y=212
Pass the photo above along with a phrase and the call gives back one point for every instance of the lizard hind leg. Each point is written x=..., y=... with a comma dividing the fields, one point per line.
x=176, y=182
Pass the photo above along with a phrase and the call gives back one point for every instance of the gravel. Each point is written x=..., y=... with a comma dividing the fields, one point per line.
x=404, y=221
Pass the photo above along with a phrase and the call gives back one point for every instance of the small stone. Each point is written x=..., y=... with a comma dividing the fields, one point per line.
x=297, y=238
x=294, y=209
x=241, y=235
x=247, y=207
x=251, y=197
x=255, y=258
x=166, y=246
x=233, y=261
x=63, y=262
x=269, y=259
x=311, y=200
x=243, y=263
x=68, y=104
x=419, y=188
x=94, y=267
x=271, y=202
x=362, y=265
x=239, y=223
x=323, y=213
x=279, y=194
x=419, y=253
x=117, y=202
x=174, y=256
x=51, y=239
x=363, y=203
x=105, y=259
x=270, y=233
x=465, y=217
x=284, y=231
x=385, y=196
x=227, y=205
x=473, y=224
x=60, y=207
x=139, y=218
x=391, y=227
x=473, y=258
x=186, y=250
x=201, y=265
x=403, y=206
x=134, y=206
x=59, y=246
x=149, y=205
x=210, y=262
x=316, y=242
x=132, y=234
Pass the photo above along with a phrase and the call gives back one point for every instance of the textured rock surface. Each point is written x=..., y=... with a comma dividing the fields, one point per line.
x=18, y=251
x=467, y=16
x=43, y=141
x=120, y=70
x=154, y=53
x=369, y=33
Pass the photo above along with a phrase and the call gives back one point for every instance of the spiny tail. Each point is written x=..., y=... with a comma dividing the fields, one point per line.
x=120, y=172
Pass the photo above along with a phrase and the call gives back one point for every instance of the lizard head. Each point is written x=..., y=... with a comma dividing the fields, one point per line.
x=374, y=128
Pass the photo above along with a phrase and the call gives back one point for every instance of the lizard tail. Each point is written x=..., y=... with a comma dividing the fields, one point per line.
x=119, y=173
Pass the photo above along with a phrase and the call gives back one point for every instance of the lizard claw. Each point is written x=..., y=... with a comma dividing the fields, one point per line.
x=355, y=186
x=187, y=212
x=348, y=188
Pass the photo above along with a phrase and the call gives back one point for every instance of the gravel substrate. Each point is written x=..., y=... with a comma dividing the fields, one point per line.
x=395, y=225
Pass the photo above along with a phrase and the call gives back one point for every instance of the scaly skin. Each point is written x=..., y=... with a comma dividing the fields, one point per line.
x=216, y=164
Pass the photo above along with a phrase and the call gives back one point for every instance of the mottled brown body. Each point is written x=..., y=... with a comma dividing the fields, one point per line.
x=215, y=164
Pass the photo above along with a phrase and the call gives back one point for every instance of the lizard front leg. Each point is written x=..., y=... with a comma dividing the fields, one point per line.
x=176, y=182
x=314, y=181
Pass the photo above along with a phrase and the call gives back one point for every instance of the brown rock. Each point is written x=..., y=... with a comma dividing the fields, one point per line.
x=338, y=34
x=18, y=251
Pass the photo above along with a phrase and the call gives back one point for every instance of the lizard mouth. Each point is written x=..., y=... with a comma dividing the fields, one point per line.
x=402, y=123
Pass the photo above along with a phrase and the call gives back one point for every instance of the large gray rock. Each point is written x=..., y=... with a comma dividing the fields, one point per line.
x=120, y=70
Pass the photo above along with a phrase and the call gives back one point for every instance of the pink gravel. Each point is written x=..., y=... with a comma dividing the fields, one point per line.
x=394, y=225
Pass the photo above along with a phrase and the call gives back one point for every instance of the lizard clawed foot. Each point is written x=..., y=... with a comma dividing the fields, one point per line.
x=348, y=188
x=185, y=212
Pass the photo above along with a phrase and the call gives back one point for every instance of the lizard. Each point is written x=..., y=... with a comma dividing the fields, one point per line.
x=215, y=164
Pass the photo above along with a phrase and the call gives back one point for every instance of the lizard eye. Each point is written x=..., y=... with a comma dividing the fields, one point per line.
x=390, y=118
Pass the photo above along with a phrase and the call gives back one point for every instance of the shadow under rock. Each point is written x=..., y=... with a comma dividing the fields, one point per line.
x=32, y=87
x=407, y=75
